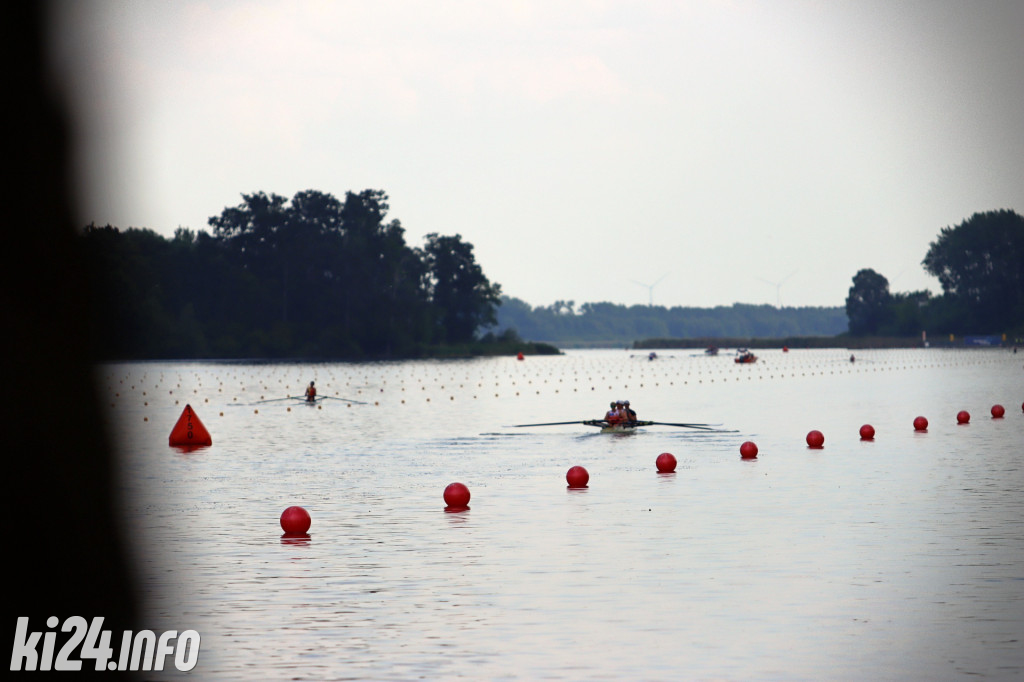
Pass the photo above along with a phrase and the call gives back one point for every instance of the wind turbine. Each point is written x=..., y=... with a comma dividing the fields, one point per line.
x=778, y=286
x=650, y=288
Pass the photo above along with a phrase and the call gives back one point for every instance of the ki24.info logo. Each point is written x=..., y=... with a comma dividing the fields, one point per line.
x=142, y=650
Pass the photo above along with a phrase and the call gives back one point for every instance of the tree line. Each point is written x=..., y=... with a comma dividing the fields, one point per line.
x=319, y=277
x=598, y=324
x=980, y=266
x=313, y=276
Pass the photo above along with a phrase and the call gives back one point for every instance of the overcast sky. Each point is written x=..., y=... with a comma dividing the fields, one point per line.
x=693, y=153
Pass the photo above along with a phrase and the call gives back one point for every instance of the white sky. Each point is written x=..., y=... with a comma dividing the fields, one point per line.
x=722, y=151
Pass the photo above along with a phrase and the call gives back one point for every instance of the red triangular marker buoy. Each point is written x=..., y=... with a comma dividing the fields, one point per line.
x=189, y=430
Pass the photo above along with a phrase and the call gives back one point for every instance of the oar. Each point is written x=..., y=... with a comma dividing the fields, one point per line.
x=347, y=400
x=274, y=400
x=704, y=427
x=518, y=426
x=599, y=422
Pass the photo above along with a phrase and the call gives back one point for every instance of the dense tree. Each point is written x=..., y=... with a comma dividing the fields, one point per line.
x=254, y=230
x=328, y=266
x=463, y=297
x=980, y=265
x=908, y=314
x=278, y=244
x=383, y=282
x=309, y=277
x=867, y=305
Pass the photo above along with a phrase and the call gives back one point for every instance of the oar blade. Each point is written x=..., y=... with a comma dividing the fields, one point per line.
x=703, y=427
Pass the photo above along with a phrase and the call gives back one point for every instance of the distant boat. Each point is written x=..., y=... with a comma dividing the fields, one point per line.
x=711, y=350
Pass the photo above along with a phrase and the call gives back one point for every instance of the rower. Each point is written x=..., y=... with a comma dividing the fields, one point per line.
x=310, y=392
x=613, y=416
x=630, y=414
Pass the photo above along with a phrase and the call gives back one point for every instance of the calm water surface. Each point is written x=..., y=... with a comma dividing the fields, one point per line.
x=900, y=558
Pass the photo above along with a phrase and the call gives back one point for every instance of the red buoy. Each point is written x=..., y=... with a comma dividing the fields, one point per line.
x=867, y=432
x=577, y=477
x=816, y=439
x=295, y=520
x=998, y=411
x=920, y=424
x=666, y=463
x=963, y=416
x=189, y=431
x=456, y=496
x=748, y=450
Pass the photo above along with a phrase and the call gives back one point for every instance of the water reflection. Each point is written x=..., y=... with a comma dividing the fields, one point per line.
x=456, y=519
x=190, y=449
x=296, y=539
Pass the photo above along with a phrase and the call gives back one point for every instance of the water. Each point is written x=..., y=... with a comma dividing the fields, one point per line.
x=899, y=558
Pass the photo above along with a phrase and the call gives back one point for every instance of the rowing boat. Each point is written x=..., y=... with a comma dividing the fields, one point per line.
x=624, y=427
x=620, y=427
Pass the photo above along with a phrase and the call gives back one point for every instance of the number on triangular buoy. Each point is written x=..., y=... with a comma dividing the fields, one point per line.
x=189, y=430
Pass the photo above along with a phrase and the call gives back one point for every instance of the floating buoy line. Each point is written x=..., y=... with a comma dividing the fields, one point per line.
x=508, y=378
x=504, y=379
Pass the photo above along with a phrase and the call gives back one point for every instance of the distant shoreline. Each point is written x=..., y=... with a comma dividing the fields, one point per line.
x=527, y=348
x=454, y=351
x=842, y=341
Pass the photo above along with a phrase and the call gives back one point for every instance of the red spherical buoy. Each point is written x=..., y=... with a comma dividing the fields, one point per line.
x=295, y=520
x=963, y=417
x=920, y=424
x=867, y=432
x=456, y=496
x=816, y=439
x=666, y=463
x=577, y=477
x=998, y=411
x=748, y=450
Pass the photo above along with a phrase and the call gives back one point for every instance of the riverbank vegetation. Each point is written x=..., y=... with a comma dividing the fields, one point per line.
x=980, y=266
x=313, y=277
x=610, y=324
x=791, y=342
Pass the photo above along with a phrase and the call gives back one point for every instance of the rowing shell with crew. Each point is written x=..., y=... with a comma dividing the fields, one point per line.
x=620, y=418
x=617, y=427
x=622, y=427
